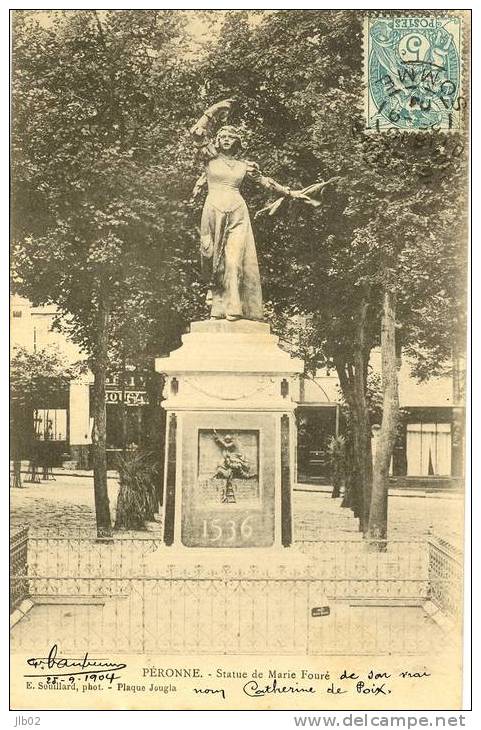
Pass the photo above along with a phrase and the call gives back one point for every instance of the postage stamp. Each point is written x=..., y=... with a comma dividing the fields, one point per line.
x=412, y=72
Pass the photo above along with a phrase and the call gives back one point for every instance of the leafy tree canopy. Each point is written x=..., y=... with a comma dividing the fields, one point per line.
x=99, y=106
x=103, y=169
x=392, y=216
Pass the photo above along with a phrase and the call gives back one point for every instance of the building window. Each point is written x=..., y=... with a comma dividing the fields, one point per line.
x=50, y=424
x=428, y=449
x=17, y=313
x=315, y=427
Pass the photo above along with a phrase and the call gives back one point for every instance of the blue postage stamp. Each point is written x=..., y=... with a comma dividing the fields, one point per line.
x=412, y=68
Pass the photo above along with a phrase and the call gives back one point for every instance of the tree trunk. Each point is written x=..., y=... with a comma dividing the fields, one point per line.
x=123, y=407
x=377, y=530
x=102, y=505
x=338, y=467
x=363, y=453
x=353, y=381
x=350, y=479
x=16, y=426
x=358, y=455
x=458, y=422
x=17, y=474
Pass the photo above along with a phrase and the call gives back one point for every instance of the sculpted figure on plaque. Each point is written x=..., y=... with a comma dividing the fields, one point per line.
x=234, y=465
x=228, y=251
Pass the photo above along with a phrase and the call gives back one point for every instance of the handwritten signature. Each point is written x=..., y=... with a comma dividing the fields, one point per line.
x=80, y=665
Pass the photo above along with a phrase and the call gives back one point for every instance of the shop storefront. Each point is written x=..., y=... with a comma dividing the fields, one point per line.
x=316, y=425
x=40, y=430
x=127, y=414
x=428, y=447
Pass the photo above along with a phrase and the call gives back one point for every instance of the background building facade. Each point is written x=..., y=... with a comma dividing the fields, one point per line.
x=429, y=447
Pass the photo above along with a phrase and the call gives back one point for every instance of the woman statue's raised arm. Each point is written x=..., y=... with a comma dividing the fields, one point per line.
x=201, y=130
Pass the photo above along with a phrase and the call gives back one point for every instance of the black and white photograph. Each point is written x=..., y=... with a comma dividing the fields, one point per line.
x=239, y=245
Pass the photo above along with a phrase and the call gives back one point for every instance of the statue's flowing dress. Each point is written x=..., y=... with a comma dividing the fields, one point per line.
x=227, y=242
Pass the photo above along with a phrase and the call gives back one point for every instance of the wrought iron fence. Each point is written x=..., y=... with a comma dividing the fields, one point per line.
x=127, y=595
x=57, y=554
x=221, y=615
x=18, y=566
x=400, y=559
x=445, y=577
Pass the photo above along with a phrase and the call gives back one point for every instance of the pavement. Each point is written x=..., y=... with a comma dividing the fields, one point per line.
x=68, y=502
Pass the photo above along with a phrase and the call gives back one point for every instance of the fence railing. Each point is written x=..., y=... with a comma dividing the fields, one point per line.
x=18, y=566
x=400, y=559
x=59, y=556
x=445, y=577
x=129, y=595
x=221, y=615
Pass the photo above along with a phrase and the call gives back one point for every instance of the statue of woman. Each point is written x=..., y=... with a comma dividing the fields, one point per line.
x=228, y=252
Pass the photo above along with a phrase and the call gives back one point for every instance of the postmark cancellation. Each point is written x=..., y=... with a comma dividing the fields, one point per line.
x=413, y=72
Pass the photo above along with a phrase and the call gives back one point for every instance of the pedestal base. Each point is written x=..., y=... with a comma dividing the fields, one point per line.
x=231, y=438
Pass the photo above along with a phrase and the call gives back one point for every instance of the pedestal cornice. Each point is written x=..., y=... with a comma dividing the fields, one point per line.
x=219, y=346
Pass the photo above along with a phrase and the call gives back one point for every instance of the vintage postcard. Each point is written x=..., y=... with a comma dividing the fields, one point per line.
x=238, y=359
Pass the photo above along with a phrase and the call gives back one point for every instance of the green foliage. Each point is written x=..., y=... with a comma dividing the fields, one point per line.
x=373, y=391
x=103, y=167
x=35, y=377
x=336, y=450
x=138, y=497
x=38, y=375
x=99, y=105
x=393, y=218
x=374, y=396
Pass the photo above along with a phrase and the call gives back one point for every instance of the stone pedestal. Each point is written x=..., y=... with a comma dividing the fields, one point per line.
x=231, y=438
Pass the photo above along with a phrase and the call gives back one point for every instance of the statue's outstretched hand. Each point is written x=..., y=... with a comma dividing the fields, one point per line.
x=299, y=194
x=221, y=109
